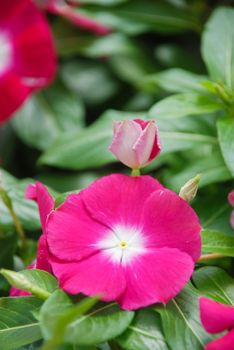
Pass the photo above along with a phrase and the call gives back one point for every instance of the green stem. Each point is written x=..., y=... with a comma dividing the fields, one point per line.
x=212, y=256
x=19, y=228
x=9, y=205
x=135, y=172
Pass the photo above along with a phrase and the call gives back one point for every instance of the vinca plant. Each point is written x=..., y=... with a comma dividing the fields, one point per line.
x=116, y=175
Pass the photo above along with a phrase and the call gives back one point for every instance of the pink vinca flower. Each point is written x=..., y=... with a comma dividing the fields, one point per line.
x=231, y=201
x=61, y=8
x=135, y=142
x=127, y=238
x=216, y=318
x=27, y=56
x=40, y=194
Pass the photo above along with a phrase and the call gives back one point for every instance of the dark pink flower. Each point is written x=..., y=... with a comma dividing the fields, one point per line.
x=216, y=318
x=128, y=238
x=135, y=142
x=40, y=194
x=61, y=8
x=231, y=201
x=27, y=56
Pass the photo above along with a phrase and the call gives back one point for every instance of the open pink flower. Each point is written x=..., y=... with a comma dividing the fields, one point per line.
x=216, y=318
x=27, y=57
x=61, y=8
x=40, y=194
x=135, y=142
x=231, y=201
x=128, y=238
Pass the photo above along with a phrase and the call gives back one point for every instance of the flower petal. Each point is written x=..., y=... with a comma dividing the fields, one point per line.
x=71, y=232
x=169, y=221
x=224, y=343
x=42, y=261
x=39, y=193
x=119, y=199
x=9, y=99
x=34, y=49
x=216, y=317
x=91, y=276
x=125, y=137
x=147, y=146
x=155, y=277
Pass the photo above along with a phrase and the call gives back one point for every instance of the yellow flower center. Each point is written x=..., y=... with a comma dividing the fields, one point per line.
x=123, y=244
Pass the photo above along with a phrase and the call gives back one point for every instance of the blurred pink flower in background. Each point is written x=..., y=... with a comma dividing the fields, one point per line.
x=27, y=55
x=135, y=142
x=128, y=238
x=40, y=194
x=216, y=318
x=61, y=8
x=231, y=201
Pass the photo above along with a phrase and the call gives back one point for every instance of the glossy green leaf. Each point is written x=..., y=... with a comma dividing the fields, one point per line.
x=181, y=105
x=18, y=326
x=104, y=322
x=226, y=139
x=218, y=46
x=181, y=322
x=144, y=333
x=8, y=243
x=38, y=282
x=207, y=162
x=215, y=283
x=42, y=119
x=217, y=242
x=177, y=80
x=136, y=17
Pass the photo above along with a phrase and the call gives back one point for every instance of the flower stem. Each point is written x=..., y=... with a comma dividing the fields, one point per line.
x=135, y=172
x=207, y=257
x=19, y=229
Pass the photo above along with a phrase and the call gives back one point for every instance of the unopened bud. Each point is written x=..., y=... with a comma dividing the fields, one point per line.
x=189, y=190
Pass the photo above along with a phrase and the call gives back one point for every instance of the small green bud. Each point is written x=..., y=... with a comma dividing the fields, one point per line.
x=189, y=190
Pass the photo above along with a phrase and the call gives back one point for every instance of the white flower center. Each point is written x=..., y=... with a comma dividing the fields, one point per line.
x=122, y=244
x=5, y=52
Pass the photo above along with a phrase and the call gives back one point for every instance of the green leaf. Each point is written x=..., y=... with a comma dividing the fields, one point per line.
x=214, y=214
x=215, y=283
x=39, y=283
x=89, y=79
x=137, y=17
x=105, y=322
x=218, y=46
x=26, y=210
x=18, y=326
x=181, y=105
x=89, y=149
x=65, y=316
x=210, y=166
x=177, y=80
x=41, y=120
x=181, y=322
x=8, y=243
x=217, y=242
x=144, y=333
x=226, y=139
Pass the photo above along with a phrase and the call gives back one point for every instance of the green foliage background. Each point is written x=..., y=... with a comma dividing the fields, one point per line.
x=171, y=61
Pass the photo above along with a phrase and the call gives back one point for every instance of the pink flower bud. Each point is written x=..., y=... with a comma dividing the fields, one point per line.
x=135, y=142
